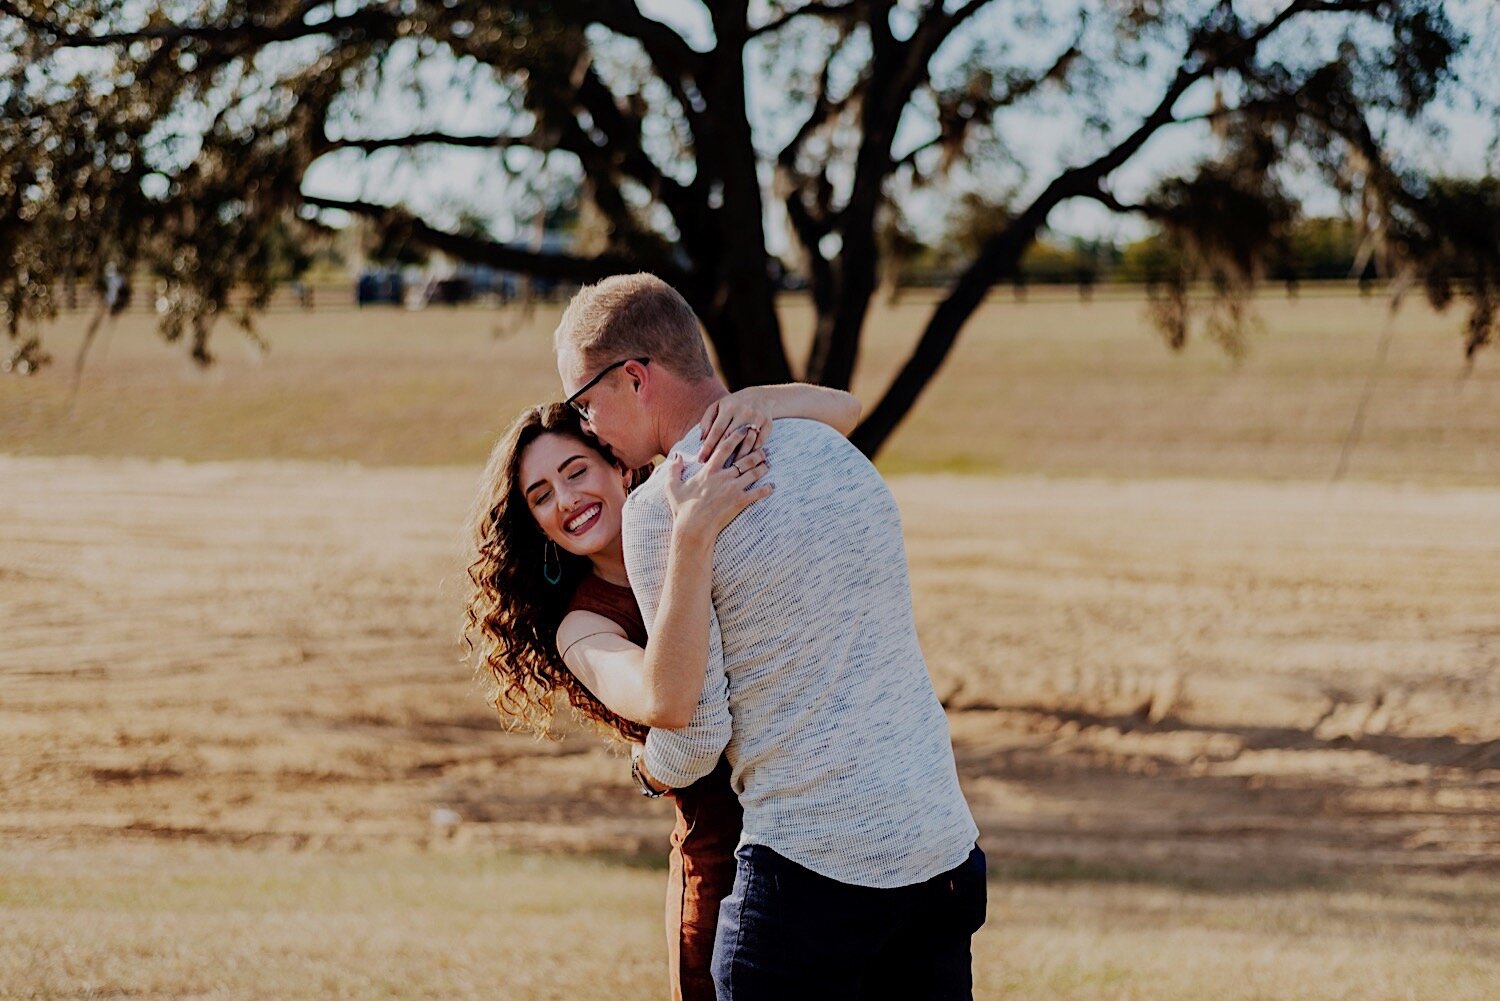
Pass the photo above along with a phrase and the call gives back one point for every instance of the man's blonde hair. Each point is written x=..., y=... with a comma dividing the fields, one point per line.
x=634, y=316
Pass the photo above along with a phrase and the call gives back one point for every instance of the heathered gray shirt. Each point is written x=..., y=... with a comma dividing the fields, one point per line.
x=816, y=688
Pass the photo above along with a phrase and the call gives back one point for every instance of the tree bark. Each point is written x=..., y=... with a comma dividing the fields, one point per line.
x=741, y=315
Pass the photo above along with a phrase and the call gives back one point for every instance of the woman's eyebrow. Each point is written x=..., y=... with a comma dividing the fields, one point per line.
x=565, y=464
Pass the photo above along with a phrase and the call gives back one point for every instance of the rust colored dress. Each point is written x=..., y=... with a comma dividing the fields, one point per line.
x=700, y=870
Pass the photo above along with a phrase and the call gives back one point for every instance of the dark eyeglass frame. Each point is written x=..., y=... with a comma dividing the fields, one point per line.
x=582, y=410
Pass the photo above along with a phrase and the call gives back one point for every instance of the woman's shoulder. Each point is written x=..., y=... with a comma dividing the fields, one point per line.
x=597, y=599
x=594, y=591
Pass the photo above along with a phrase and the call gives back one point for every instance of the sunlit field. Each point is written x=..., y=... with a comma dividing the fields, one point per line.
x=1230, y=730
x=188, y=921
x=1053, y=386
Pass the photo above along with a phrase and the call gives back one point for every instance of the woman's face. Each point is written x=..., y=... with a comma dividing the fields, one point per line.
x=573, y=492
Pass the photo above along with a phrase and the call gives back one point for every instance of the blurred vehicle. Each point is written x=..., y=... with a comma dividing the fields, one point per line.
x=448, y=291
x=377, y=286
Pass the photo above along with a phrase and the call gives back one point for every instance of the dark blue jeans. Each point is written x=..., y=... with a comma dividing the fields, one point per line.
x=786, y=932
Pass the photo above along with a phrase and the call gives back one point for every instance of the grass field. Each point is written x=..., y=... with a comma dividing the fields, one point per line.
x=1228, y=731
x=1054, y=386
x=214, y=923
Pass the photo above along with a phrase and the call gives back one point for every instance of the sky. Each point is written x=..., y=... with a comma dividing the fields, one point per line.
x=1051, y=140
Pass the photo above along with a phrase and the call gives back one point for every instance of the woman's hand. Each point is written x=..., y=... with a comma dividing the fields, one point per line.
x=715, y=494
x=748, y=408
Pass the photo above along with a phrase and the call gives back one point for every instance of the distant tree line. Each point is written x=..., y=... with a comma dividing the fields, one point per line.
x=1312, y=249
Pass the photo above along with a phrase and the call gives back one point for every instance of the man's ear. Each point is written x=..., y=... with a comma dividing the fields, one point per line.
x=637, y=373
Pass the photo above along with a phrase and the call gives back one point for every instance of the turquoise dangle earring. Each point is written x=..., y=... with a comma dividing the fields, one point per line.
x=553, y=571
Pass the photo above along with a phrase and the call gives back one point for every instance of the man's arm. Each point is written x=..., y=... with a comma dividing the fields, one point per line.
x=679, y=757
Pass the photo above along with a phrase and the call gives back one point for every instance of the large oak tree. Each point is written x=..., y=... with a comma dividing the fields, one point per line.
x=177, y=134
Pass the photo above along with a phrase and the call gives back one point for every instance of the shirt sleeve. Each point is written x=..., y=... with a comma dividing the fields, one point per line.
x=677, y=758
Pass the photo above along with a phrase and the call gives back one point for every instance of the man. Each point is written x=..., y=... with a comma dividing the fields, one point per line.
x=858, y=874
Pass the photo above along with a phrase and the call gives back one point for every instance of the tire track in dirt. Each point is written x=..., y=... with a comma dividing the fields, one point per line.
x=1145, y=675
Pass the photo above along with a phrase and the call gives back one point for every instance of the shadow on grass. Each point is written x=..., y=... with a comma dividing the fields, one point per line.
x=1053, y=872
x=1441, y=751
x=642, y=861
x=1050, y=872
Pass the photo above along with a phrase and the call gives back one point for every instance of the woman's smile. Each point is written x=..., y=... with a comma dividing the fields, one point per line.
x=580, y=523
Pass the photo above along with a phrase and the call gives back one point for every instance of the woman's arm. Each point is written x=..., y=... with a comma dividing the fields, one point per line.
x=758, y=406
x=605, y=662
x=834, y=407
x=660, y=685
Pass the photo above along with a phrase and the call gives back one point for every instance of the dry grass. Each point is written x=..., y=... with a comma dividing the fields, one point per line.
x=1054, y=386
x=153, y=921
x=1231, y=735
x=147, y=921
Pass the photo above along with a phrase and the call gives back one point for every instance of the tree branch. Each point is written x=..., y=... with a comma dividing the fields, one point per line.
x=827, y=11
x=1105, y=197
x=952, y=129
x=369, y=145
x=669, y=51
x=823, y=108
x=623, y=152
x=812, y=225
x=676, y=61
x=478, y=250
x=909, y=158
x=1084, y=180
x=1081, y=180
x=1003, y=251
x=897, y=68
x=931, y=34
x=735, y=264
x=810, y=233
x=246, y=32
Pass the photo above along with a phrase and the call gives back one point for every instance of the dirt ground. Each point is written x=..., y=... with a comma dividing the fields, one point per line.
x=1182, y=679
x=1228, y=731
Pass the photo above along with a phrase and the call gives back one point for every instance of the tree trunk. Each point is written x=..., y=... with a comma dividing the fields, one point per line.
x=836, y=339
x=999, y=258
x=835, y=350
x=749, y=347
x=741, y=314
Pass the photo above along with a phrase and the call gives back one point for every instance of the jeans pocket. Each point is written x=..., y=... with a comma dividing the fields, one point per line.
x=966, y=891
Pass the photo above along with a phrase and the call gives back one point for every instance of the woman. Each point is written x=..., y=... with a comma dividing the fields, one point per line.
x=552, y=613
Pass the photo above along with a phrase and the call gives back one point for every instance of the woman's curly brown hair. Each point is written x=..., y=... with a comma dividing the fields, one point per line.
x=513, y=611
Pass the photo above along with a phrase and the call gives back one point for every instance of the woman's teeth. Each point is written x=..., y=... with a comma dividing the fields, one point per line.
x=583, y=517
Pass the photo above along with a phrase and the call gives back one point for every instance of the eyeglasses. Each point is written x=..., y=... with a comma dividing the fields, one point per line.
x=583, y=408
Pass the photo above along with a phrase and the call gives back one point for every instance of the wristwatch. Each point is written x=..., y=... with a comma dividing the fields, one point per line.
x=647, y=789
